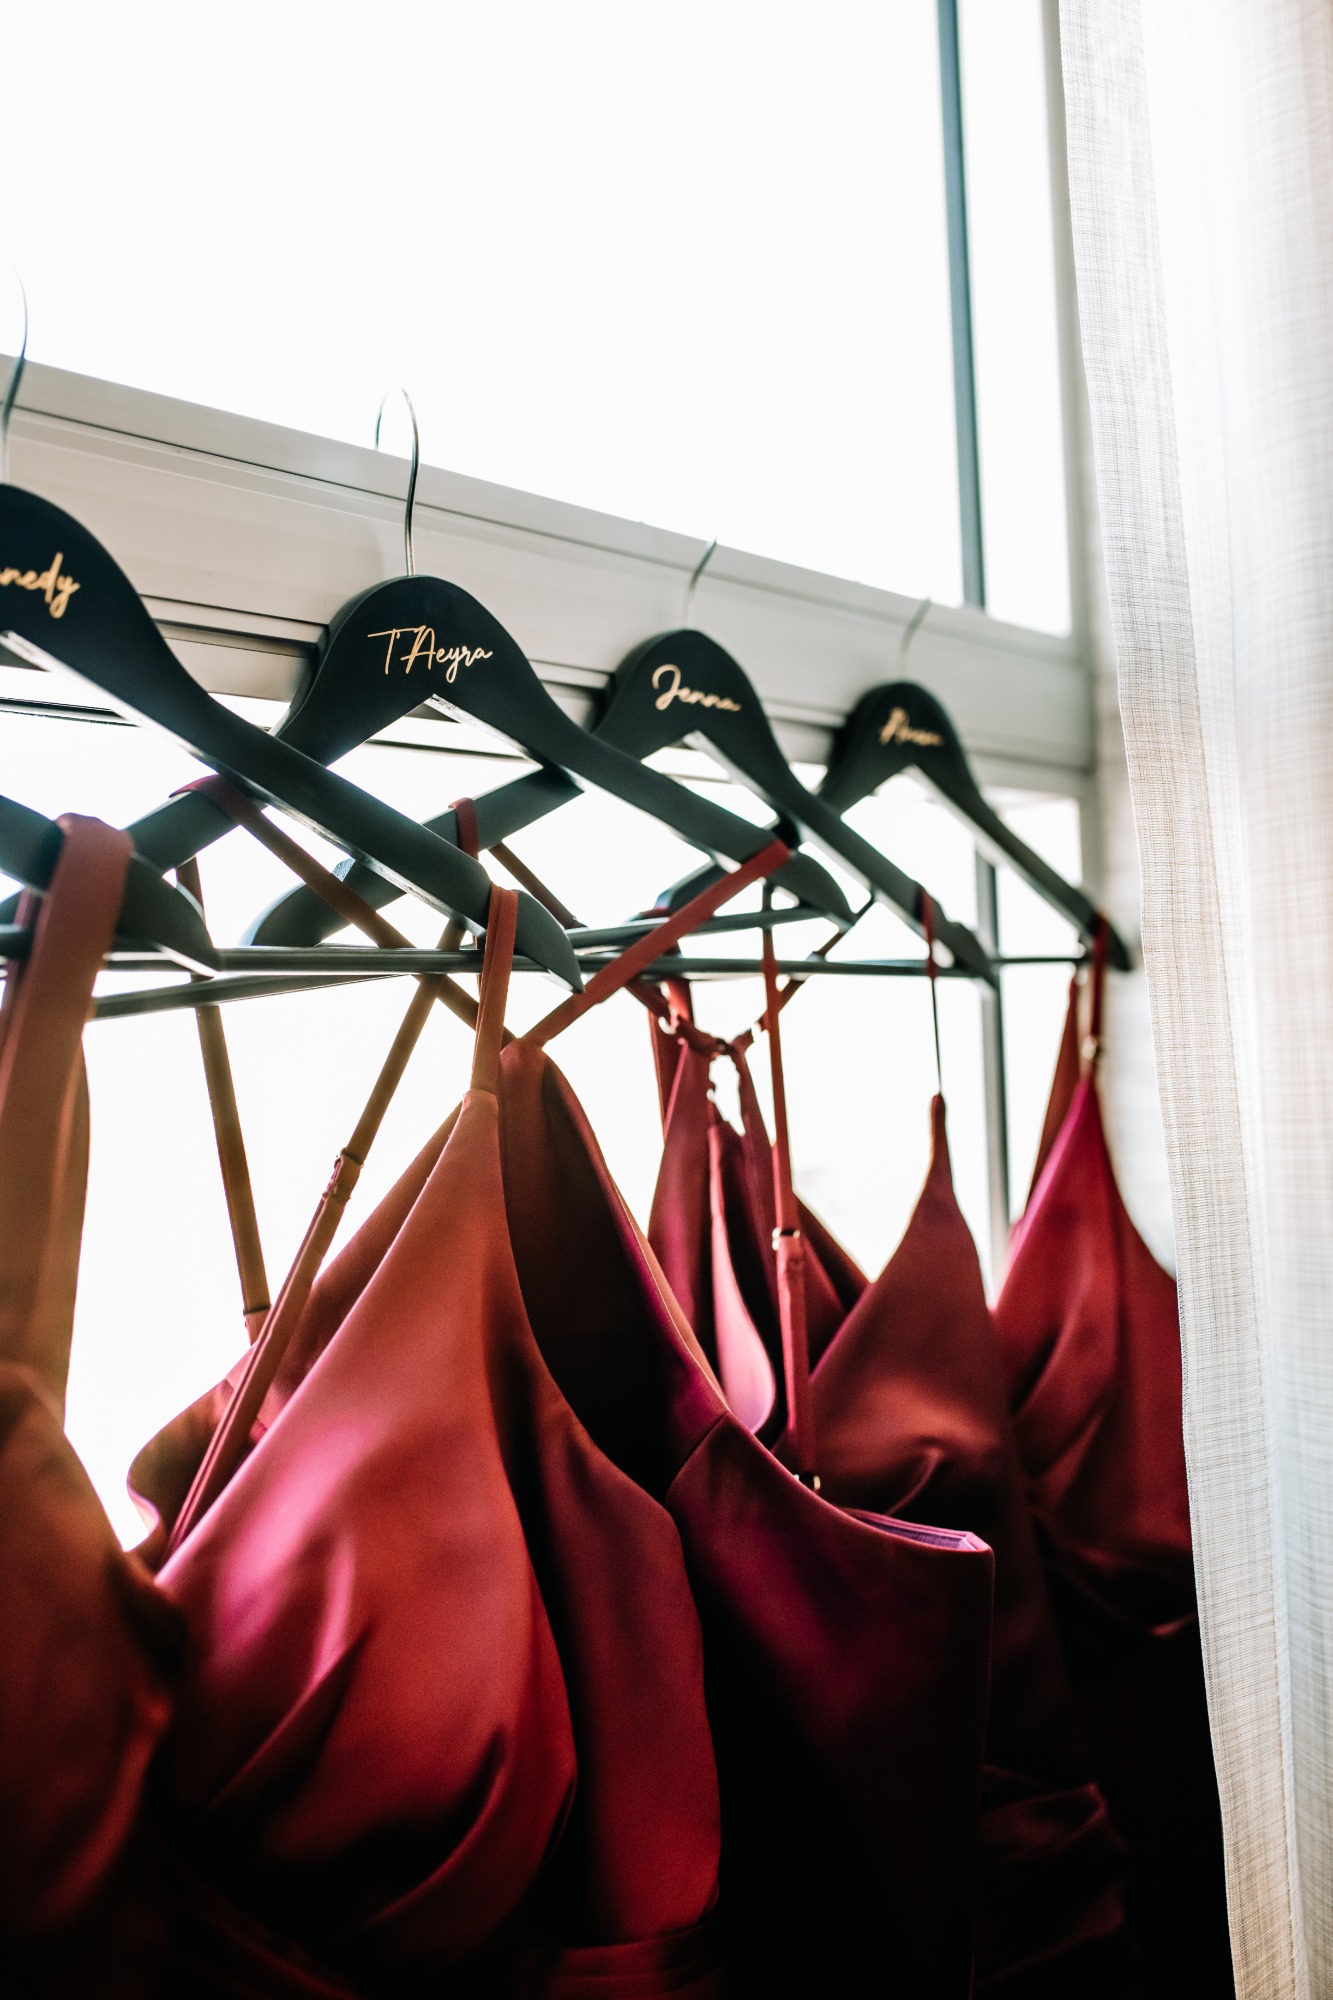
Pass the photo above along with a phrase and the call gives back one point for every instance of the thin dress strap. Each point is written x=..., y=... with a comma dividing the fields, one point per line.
x=502, y=923
x=635, y=960
x=227, y=1445
x=789, y=1247
x=43, y=1104
x=465, y=819
x=1092, y=1046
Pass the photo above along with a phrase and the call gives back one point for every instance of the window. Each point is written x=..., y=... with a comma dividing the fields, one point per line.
x=1013, y=294
x=686, y=265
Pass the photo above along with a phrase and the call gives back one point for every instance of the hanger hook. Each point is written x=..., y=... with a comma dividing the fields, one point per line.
x=12, y=389
x=699, y=569
x=910, y=630
x=411, y=502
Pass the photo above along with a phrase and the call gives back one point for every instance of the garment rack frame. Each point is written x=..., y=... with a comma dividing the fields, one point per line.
x=244, y=538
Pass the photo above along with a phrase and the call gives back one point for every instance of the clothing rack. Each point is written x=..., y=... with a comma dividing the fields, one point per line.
x=249, y=972
x=252, y=972
x=355, y=965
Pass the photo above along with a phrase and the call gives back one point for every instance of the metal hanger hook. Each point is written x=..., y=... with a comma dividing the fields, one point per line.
x=910, y=630
x=12, y=387
x=411, y=502
x=699, y=569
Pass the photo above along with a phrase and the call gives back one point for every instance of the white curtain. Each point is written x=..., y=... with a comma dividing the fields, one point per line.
x=1201, y=169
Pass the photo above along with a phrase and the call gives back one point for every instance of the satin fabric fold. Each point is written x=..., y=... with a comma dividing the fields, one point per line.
x=1090, y=1346
x=711, y=1227
x=910, y=1420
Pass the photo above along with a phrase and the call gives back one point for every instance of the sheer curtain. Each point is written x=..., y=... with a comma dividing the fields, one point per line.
x=1201, y=170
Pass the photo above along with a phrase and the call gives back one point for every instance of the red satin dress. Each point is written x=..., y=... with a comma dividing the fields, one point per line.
x=845, y=1656
x=1090, y=1345
x=94, y=1897
x=442, y=1715
x=910, y=1419
x=712, y=1222
x=88, y=1658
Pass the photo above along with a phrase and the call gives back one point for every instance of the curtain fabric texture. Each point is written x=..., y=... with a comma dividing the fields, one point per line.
x=1200, y=142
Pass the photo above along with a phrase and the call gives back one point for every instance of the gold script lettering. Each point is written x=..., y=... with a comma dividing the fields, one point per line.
x=55, y=588
x=667, y=677
x=421, y=646
x=899, y=730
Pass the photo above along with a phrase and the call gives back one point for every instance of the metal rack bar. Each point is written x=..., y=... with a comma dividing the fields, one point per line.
x=14, y=940
x=587, y=938
x=372, y=966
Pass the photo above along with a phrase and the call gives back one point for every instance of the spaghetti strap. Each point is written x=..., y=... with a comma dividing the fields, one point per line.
x=465, y=819
x=43, y=1150
x=502, y=923
x=1078, y=1053
x=89, y=1652
x=1068, y=1066
x=634, y=962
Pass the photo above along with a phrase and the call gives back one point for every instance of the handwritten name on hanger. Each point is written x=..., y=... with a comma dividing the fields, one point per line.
x=421, y=646
x=899, y=730
x=55, y=588
x=673, y=691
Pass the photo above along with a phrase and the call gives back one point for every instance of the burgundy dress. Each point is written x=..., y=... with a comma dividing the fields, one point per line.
x=1090, y=1345
x=87, y=1662
x=93, y=1900
x=910, y=1419
x=845, y=1657
x=100, y=1672
x=443, y=1708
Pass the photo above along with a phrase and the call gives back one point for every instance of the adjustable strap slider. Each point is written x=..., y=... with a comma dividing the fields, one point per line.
x=346, y=1173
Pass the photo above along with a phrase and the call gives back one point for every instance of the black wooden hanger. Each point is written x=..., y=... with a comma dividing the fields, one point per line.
x=419, y=639
x=65, y=602
x=684, y=684
x=69, y=604
x=153, y=914
x=902, y=727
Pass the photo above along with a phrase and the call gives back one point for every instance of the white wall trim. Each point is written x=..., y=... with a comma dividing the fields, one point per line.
x=245, y=538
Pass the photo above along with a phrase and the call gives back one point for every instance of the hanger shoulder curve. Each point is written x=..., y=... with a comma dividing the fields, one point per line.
x=81, y=612
x=152, y=912
x=683, y=684
x=420, y=639
x=902, y=726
